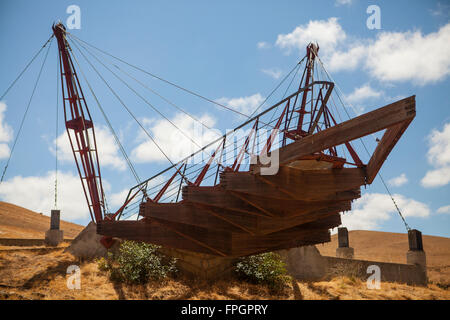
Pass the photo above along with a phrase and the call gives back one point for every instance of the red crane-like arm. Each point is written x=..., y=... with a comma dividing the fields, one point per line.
x=80, y=129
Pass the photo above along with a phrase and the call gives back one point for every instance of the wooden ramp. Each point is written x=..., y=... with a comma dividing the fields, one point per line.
x=248, y=213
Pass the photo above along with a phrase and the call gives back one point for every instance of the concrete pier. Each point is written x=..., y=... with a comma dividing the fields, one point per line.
x=54, y=235
x=415, y=254
x=344, y=250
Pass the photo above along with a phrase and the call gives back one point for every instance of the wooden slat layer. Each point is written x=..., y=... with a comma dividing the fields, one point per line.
x=297, y=184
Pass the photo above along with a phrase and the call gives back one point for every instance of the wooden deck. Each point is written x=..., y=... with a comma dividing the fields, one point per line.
x=248, y=213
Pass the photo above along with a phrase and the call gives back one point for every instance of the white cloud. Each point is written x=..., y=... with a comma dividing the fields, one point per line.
x=245, y=105
x=108, y=151
x=392, y=56
x=175, y=144
x=343, y=2
x=398, y=181
x=6, y=133
x=444, y=210
x=328, y=33
x=439, y=157
x=263, y=45
x=363, y=93
x=345, y=59
x=274, y=72
x=372, y=209
x=397, y=56
x=37, y=193
x=436, y=178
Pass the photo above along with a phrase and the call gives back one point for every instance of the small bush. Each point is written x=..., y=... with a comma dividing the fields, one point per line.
x=266, y=268
x=137, y=263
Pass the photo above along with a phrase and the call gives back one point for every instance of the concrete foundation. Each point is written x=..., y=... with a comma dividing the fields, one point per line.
x=344, y=250
x=200, y=265
x=417, y=258
x=87, y=244
x=53, y=237
x=346, y=253
x=304, y=263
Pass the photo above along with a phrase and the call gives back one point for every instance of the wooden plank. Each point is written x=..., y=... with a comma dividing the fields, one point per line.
x=244, y=244
x=384, y=147
x=360, y=126
x=267, y=225
x=148, y=232
x=201, y=215
x=218, y=197
x=318, y=185
x=229, y=221
x=244, y=198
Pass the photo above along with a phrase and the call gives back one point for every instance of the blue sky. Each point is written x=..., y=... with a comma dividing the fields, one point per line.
x=235, y=52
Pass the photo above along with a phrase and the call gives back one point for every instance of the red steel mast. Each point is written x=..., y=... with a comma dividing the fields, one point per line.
x=80, y=129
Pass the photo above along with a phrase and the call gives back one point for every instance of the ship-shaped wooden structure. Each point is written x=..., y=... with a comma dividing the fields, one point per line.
x=282, y=184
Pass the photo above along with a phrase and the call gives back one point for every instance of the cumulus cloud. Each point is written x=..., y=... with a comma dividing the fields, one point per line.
x=372, y=209
x=439, y=157
x=398, y=181
x=402, y=56
x=37, y=193
x=6, y=133
x=363, y=93
x=328, y=34
x=398, y=56
x=444, y=210
x=175, y=144
x=108, y=151
x=392, y=56
x=273, y=72
x=346, y=59
x=245, y=105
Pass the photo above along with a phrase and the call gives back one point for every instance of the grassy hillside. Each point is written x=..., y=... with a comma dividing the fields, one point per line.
x=18, y=222
x=392, y=247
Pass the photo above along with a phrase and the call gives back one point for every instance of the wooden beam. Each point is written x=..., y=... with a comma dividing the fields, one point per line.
x=384, y=147
x=152, y=232
x=244, y=198
x=312, y=185
x=218, y=197
x=200, y=215
x=355, y=128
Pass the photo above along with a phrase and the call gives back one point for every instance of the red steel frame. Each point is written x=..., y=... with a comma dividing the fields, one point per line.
x=80, y=129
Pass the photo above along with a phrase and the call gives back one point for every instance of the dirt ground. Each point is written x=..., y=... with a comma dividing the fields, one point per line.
x=41, y=274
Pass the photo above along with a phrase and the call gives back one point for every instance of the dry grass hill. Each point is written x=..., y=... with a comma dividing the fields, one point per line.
x=392, y=247
x=41, y=273
x=18, y=222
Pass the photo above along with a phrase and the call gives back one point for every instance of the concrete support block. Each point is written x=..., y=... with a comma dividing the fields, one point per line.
x=54, y=237
x=304, y=263
x=416, y=257
x=345, y=252
x=54, y=219
x=343, y=238
x=200, y=265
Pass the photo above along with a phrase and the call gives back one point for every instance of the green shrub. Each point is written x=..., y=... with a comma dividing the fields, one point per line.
x=266, y=268
x=137, y=262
